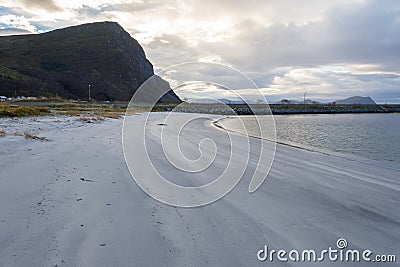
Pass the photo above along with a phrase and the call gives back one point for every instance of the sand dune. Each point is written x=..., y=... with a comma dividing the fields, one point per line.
x=71, y=201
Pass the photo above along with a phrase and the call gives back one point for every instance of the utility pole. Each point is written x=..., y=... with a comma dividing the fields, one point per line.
x=89, y=94
x=304, y=101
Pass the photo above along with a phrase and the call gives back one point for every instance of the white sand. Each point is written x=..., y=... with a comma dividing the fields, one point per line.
x=49, y=216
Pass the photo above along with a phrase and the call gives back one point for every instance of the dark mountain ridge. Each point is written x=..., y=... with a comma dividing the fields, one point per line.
x=65, y=62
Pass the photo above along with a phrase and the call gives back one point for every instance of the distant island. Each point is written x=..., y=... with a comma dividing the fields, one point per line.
x=358, y=100
x=354, y=100
x=98, y=61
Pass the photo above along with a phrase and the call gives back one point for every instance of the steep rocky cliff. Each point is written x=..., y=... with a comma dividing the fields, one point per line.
x=65, y=62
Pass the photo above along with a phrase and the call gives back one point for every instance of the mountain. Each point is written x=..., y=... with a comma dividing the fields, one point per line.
x=216, y=101
x=295, y=102
x=362, y=100
x=65, y=62
x=232, y=102
x=202, y=101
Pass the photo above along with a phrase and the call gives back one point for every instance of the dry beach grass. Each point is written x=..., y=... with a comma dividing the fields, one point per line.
x=7, y=110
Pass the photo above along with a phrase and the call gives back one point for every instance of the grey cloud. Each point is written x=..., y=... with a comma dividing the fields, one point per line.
x=136, y=6
x=282, y=11
x=13, y=31
x=368, y=34
x=43, y=4
x=381, y=87
x=168, y=50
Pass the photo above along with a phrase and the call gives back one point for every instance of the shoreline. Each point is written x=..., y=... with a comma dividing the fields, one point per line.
x=321, y=150
x=217, y=109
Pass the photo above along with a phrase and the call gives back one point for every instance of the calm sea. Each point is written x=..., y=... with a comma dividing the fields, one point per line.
x=372, y=136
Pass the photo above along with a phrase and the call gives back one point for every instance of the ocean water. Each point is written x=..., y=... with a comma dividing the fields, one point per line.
x=372, y=136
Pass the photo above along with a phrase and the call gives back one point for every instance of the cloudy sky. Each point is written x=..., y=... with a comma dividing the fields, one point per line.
x=329, y=49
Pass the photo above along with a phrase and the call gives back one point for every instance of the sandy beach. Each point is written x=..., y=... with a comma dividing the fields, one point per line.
x=71, y=201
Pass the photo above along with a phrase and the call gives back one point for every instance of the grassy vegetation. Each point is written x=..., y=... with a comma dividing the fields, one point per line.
x=27, y=135
x=64, y=108
x=99, y=111
x=33, y=136
x=21, y=111
x=91, y=119
x=14, y=74
x=89, y=110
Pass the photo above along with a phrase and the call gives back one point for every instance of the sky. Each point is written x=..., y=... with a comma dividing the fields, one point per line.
x=329, y=49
